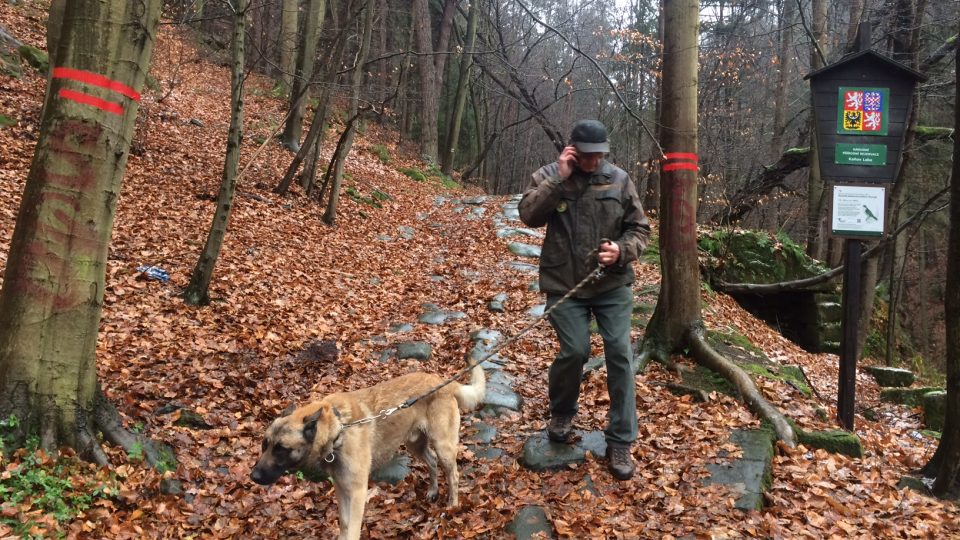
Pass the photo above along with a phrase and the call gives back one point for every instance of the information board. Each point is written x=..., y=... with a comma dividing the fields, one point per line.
x=858, y=211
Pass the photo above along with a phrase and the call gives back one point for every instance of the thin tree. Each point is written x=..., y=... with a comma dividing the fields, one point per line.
x=197, y=292
x=50, y=304
x=460, y=101
x=945, y=463
x=429, y=89
x=676, y=322
x=346, y=143
x=306, y=56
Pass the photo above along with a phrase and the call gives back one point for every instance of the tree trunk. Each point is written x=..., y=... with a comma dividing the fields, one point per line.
x=651, y=198
x=678, y=306
x=197, y=291
x=288, y=42
x=815, y=192
x=945, y=463
x=306, y=56
x=343, y=149
x=428, y=81
x=785, y=64
x=50, y=304
x=460, y=101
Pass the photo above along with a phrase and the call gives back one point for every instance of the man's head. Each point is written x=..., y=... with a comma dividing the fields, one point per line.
x=589, y=137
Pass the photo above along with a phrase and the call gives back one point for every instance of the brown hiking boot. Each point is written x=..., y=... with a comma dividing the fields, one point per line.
x=621, y=463
x=560, y=428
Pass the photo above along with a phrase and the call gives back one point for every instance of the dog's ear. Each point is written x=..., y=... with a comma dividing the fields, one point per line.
x=310, y=425
x=289, y=410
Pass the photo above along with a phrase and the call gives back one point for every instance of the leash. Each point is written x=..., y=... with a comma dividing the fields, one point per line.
x=595, y=274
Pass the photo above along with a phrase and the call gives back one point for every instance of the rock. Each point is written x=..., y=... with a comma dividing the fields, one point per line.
x=935, y=409
x=529, y=521
x=834, y=441
x=406, y=233
x=912, y=397
x=537, y=311
x=920, y=485
x=505, y=232
x=35, y=57
x=400, y=328
x=477, y=200
x=542, y=454
x=524, y=267
x=524, y=250
x=751, y=474
x=171, y=486
x=417, y=350
x=889, y=377
x=191, y=419
x=496, y=305
x=394, y=471
x=501, y=396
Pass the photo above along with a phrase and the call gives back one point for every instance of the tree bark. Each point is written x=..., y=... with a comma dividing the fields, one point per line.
x=785, y=65
x=288, y=42
x=343, y=149
x=945, y=463
x=50, y=304
x=460, y=101
x=428, y=81
x=678, y=306
x=815, y=199
x=197, y=292
x=306, y=56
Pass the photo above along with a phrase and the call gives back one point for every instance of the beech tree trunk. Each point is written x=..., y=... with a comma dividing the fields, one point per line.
x=945, y=463
x=288, y=41
x=816, y=201
x=678, y=306
x=460, y=101
x=306, y=56
x=197, y=291
x=50, y=304
x=346, y=144
x=428, y=81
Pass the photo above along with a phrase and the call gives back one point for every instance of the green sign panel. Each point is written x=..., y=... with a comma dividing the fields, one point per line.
x=861, y=154
x=863, y=111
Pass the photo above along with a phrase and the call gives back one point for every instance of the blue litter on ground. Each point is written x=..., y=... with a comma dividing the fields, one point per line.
x=154, y=272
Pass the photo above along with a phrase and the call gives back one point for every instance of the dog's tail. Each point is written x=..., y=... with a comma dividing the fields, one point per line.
x=469, y=396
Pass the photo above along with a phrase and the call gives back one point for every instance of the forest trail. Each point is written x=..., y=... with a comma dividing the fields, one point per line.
x=302, y=309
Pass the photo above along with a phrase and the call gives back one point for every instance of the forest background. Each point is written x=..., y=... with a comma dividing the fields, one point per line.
x=534, y=68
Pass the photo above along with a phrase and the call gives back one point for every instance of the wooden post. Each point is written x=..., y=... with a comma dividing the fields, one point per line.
x=847, y=386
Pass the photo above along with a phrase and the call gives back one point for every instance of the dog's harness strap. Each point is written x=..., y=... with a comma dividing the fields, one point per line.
x=597, y=273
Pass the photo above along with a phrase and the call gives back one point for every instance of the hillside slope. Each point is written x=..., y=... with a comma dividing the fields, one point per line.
x=302, y=309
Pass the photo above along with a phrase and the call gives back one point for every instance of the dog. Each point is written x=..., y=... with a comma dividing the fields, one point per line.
x=314, y=437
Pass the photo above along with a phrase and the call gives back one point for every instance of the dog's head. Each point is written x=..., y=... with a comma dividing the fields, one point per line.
x=290, y=440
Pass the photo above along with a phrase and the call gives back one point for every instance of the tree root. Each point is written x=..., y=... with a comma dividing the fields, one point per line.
x=108, y=421
x=706, y=356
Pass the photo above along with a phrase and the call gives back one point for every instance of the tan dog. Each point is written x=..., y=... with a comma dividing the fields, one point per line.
x=314, y=436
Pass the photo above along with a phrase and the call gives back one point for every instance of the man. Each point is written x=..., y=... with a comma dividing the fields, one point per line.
x=593, y=215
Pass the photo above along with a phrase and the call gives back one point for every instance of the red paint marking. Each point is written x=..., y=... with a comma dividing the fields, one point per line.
x=680, y=166
x=87, y=99
x=94, y=79
x=681, y=155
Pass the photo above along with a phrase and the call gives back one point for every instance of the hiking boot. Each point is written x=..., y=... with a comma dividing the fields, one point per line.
x=560, y=429
x=621, y=462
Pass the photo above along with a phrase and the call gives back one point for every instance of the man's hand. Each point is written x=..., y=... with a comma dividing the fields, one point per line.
x=567, y=162
x=609, y=253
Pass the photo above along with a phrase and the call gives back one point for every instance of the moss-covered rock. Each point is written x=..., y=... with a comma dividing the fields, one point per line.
x=834, y=441
x=35, y=57
x=742, y=256
x=935, y=409
x=890, y=377
x=912, y=397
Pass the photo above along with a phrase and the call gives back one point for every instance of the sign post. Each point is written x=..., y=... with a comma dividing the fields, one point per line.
x=861, y=105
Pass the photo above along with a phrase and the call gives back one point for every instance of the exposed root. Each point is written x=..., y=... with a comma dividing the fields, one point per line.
x=706, y=356
x=157, y=455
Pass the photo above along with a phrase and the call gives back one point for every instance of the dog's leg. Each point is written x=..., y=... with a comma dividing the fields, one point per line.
x=445, y=439
x=351, y=496
x=422, y=450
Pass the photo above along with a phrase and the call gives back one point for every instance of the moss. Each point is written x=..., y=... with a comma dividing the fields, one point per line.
x=912, y=397
x=708, y=381
x=35, y=57
x=755, y=257
x=6, y=121
x=415, y=174
x=732, y=337
x=651, y=255
x=834, y=441
x=382, y=154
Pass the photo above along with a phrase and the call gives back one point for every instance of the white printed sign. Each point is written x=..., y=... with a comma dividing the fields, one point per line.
x=858, y=210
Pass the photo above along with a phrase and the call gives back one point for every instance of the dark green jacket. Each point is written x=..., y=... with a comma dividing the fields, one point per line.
x=578, y=213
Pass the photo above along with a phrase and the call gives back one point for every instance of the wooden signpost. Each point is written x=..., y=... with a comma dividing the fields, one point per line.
x=861, y=105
